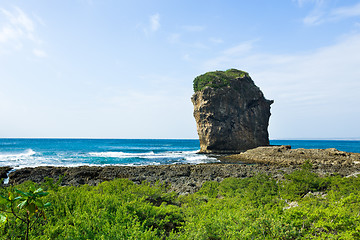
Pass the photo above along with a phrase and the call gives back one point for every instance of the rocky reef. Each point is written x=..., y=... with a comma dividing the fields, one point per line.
x=180, y=178
x=285, y=156
x=231, y=113
x=185, y=178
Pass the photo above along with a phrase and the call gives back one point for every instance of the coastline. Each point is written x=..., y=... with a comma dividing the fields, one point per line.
x=186, y=178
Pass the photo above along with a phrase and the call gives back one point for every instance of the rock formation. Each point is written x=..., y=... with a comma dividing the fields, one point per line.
x=231, y=112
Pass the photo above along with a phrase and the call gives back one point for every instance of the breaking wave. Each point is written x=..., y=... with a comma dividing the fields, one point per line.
x=172, y=157
x=119, y=154
x=15, y=156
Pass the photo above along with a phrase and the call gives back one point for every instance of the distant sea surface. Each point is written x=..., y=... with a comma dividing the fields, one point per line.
x=19, y=153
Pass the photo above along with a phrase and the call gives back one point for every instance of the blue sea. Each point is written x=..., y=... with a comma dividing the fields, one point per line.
x=20, y=153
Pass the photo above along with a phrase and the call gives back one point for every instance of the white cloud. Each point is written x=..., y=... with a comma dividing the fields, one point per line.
x=216, y=40
x=227, y=56
x=155, y=22
x=152, y=26
x=19, y=19
x=346, y=12
x=39, y=53
x=193, y=28
x=301, y=3
x=186, y=57
x=17, y=29
x=239, y=49
x=174, y=38
x=320, y=14
x=314, y=18
x=8, y=33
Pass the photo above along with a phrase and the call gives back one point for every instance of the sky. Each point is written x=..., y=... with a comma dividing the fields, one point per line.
x=124, y=69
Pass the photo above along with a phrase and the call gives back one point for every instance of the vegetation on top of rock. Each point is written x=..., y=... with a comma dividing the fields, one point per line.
x=217, y=79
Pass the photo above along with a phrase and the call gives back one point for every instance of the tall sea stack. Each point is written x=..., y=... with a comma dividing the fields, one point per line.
x=231, y=113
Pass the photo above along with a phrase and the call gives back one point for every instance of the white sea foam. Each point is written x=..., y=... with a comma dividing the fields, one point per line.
x=178, y=156
x=15, y=156
x=16, y=159
x=199, y=158
x=120, y=154
x=30, y=158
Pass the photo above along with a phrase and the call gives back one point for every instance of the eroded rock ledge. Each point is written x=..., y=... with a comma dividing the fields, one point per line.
x=285, y=156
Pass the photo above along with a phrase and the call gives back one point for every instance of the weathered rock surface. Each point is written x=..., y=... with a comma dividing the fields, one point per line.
x=182, y=178
x=285, y=156
x=231, y=112
x=4, y=171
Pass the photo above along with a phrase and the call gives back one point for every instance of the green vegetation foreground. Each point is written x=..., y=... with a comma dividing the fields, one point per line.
x=301, y=206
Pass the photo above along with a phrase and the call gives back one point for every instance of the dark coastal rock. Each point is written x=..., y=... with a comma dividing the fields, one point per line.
x=182, y=179
x=4, y=171
x=231, y=112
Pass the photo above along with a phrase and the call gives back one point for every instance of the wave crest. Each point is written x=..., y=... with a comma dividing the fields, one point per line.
x=120, y=154
x=13, y=156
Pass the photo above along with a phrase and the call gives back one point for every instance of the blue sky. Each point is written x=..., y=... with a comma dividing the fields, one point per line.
x=124, y=69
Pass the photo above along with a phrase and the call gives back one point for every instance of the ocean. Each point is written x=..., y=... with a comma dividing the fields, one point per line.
x=20, y=153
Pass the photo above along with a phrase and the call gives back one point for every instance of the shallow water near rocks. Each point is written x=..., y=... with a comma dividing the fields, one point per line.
x=20, y=153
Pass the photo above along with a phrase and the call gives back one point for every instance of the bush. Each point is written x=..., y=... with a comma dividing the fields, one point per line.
x=217, y=79
x=300, y=182
x=20, y=211
x=236, y=208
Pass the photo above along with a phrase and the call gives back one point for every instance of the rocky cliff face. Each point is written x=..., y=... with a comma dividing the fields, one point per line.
x=231, y=112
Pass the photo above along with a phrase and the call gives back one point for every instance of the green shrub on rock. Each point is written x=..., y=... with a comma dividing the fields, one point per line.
x=303, y=181
x=217, y=79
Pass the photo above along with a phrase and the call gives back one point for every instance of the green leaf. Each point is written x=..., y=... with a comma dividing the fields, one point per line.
x=41, y=194
x=22, y=204
x=48, y=204
x=26, y=194
x=3, y=218
x=32, y=188
x=17, y=198
x=39, y=190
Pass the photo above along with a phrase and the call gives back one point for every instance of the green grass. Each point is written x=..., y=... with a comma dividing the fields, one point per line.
x=217, y=79
x=249, y=208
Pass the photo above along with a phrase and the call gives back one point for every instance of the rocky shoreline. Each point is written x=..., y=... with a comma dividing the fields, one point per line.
x=186, y=178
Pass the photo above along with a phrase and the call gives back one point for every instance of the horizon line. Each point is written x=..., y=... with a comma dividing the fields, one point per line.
x=105, y=138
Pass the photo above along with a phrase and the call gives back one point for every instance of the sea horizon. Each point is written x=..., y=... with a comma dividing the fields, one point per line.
x=111, y=138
